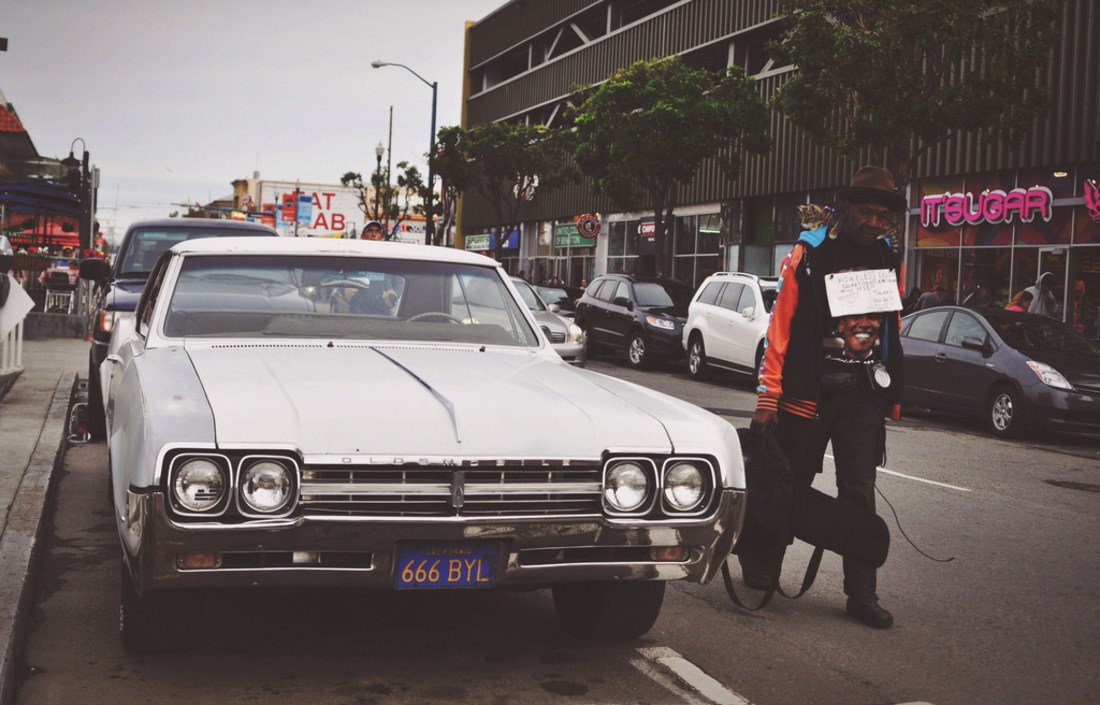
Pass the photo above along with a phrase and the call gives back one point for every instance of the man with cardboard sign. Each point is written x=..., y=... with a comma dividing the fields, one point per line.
x=833, y=361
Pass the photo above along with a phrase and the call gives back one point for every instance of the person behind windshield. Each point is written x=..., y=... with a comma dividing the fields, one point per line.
x=370, y=301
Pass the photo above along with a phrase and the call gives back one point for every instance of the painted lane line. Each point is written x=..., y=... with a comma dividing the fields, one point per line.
x=913, y=478
x=689, y=674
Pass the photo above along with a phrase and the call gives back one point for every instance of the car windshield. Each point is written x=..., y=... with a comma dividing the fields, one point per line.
x=147, y=244
x=769, y=291
x=317, y=296
x=529, y=296
x=553, y=295
x=662, y=294
x=1035, y=333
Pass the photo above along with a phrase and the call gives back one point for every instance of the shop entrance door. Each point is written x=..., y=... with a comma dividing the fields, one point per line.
x=1055, y=261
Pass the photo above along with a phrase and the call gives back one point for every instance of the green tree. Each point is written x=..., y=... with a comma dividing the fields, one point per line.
x=900, y=76
x=395, y=201
x=645, y=132
x=507, y=164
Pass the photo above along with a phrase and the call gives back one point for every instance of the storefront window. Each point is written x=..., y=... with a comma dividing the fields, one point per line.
x=684, y=234
x=1084, y=298
x=939, y=268
x=986, y=275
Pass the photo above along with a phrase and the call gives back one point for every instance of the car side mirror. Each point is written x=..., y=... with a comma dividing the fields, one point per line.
x=973, y=342
x=554, y=308
x=623, y=301
x=94, y=269
x=749, y=312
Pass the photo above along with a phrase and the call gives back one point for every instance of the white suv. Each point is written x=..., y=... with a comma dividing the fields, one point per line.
x=727, y=322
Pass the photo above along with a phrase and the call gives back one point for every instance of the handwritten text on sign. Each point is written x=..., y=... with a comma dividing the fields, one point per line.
x=867, y=291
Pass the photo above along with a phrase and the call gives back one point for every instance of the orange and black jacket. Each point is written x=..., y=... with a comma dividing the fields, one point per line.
x=790, y=373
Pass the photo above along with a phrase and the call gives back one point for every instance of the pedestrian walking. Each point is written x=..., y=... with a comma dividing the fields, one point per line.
x=1042, y=298
x=813, y=390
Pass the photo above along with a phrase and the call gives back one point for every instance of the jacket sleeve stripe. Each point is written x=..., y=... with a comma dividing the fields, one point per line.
x=779, y=329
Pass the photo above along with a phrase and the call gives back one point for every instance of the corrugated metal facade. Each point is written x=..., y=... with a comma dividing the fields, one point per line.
x=1070, y=133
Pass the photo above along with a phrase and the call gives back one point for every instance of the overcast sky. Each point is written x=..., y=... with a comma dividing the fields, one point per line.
x=176, y=99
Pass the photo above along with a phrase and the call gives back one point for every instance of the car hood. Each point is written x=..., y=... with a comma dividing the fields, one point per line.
x=552, y=321
x=422, y=401
x=677, y=312
x=1082, y=371
x=124, y=294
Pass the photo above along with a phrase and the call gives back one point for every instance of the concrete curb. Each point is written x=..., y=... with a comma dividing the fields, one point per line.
x=26, y=527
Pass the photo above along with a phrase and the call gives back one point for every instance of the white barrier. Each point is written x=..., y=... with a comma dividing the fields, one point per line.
x=11, y=351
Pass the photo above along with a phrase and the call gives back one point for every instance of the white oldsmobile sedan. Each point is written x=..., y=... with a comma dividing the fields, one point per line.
x=298, y=412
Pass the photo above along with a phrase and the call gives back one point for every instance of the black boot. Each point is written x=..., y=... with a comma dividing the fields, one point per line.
x=754, y=574
x=870, y=613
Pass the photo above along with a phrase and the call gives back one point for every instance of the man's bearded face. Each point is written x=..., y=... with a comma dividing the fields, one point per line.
x=860, y=332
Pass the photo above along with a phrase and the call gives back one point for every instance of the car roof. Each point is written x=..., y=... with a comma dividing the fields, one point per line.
x=754, y=277
x=201, y=224
x=641, y=278
x=329, y=246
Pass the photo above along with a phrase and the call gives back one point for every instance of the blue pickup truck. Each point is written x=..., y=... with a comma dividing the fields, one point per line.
x=121, y=284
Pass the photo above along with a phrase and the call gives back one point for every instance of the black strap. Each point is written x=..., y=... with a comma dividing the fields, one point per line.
x=773, y=581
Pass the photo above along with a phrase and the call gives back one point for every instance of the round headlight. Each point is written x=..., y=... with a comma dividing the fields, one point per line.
x=576, y=333
x=626, y=488
x=199, y=485
x=684, y=487
x=266, y=486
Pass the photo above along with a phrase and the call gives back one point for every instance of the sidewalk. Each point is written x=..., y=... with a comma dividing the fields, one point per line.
x=33, y=434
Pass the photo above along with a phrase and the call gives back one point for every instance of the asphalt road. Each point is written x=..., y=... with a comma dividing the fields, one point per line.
x=1012, y=619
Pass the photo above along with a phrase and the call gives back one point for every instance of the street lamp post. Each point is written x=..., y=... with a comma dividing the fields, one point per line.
x=378, y=152
x=429, y=220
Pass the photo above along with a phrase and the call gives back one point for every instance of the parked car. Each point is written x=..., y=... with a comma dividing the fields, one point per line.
x=564, y=297
x=727, y=323
x=258, y=439
x=640, y=315
x=121, y=284
x=565, y=336
x=1017, y=371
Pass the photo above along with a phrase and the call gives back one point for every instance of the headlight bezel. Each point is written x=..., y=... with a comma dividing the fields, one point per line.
x=648, y=470
x=179, y=464
x=706, y=476
x=291, y=472
x=660, y=322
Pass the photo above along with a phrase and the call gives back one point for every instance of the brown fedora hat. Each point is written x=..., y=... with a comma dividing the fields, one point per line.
x=873, y=184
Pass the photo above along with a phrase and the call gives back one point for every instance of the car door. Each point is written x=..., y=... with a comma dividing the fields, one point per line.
x=723, y=343
x=920, y=343
x=620, y=313
x=744, y=326
x=963, y=374
x=595, y=312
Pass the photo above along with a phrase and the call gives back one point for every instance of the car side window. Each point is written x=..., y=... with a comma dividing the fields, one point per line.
x=710, y=292
x=730, y=296
x=150, y=296
x=622, y=291
x=963, y=325
x=928, y=326
x=607, y=290
x=747, y=300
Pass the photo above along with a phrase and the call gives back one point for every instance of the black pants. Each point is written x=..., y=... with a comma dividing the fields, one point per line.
x=854, y=422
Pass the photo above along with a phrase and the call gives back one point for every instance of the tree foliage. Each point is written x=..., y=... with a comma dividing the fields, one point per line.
x=900, y=76
x=646, y=131
x=507, y=164
x=395, y=200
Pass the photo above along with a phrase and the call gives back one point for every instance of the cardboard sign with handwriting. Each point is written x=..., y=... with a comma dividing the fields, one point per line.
x=866, y=291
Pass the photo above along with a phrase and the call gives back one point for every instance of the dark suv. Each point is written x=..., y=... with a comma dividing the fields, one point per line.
x=641, y=315
x=122, y=282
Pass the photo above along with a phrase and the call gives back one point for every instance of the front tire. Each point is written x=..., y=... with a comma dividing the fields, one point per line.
x=637, y=352
x=159, y=622
x=609, y=611
x=697, y=358
x=1005, y=412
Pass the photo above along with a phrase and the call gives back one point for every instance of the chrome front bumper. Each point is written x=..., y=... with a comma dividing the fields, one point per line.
x=361, y=551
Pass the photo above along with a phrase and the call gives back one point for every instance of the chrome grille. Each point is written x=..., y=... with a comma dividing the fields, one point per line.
x=484, y=489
